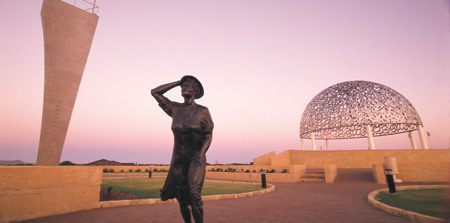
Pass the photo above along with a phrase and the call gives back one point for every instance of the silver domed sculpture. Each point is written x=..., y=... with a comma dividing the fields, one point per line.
x=359, y=109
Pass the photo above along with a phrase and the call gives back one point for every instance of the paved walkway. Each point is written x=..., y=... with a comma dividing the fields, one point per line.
x=343, y=201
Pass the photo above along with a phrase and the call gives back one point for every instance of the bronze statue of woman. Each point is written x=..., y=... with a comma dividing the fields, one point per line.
x=192, y=128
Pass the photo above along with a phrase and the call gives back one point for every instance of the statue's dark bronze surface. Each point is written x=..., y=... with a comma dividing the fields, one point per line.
x=192, y=128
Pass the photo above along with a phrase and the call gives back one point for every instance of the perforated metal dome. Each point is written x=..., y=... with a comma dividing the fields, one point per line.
x=342, y=111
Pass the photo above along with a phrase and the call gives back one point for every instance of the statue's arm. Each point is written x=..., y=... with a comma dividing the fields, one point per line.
x=158, y=92
x=208, y=127
x=206, y=143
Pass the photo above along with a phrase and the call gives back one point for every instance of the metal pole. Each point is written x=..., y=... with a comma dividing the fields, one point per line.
x=93, y=7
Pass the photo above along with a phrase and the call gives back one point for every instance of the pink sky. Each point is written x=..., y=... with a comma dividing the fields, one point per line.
x=260, y=62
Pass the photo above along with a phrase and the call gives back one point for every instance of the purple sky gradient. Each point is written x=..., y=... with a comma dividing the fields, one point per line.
x=260, y=62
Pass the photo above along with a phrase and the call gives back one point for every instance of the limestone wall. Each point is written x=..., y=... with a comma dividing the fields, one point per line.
x=424, y=172
x=416, y=172
x=31, y=191
x=293, y=174
x=250, y=168
x=360, y=158
x=237, y=168
x=126, y=169
x=264, y=159
x=330, y=172
x=283, y=158
x=414, y=165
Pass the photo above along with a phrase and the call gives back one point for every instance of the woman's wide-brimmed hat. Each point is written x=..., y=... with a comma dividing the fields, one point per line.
x=200, y=91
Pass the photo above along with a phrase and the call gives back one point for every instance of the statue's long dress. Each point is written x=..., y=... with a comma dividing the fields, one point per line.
x=190, y=125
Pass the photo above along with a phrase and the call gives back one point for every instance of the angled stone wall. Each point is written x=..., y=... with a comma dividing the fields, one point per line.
x=31, y=192
x=264, y=159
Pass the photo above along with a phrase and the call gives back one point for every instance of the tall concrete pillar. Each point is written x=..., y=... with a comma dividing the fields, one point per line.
x=423, y=140
x=370, y=137
x=68, y=34
x=302, y=143
x=327, y=144
x=413, y=141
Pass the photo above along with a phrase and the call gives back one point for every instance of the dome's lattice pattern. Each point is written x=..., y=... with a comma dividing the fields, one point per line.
x=344, y=110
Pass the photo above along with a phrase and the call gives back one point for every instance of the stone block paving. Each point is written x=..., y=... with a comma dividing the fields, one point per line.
x=345, y=200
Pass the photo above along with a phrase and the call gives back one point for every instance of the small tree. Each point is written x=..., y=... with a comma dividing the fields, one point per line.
x=67, y=163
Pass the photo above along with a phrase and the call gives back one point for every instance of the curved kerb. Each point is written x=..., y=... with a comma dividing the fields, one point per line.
x=119, y=203
x=413, y=216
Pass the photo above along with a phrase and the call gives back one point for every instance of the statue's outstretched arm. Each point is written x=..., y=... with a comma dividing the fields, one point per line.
x=159, y=91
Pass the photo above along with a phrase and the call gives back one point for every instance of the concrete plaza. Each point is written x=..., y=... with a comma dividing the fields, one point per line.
x=343, y=201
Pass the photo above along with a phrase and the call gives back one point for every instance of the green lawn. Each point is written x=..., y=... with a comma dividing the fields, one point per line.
x=149, y=187
x=432, y=202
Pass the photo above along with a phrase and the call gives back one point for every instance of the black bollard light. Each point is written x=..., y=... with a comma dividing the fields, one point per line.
x=390, y=181
x=263, y=179
x=150, y=173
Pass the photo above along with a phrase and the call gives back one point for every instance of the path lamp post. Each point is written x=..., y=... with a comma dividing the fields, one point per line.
x=390, y=180
x=263, y=179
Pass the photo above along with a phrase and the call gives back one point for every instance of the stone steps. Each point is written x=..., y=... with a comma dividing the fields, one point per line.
x=313, y=177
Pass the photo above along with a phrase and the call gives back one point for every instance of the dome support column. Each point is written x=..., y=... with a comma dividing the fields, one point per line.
x=328, y=144
x=313, y=140
x=302, y=143
x=413, y=141
x=370, y=137
x=423, y=141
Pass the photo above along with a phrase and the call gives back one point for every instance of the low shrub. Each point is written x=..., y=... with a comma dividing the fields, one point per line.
x=229, y=169
x=160, y=170
x=109, y=190
x=67, y=163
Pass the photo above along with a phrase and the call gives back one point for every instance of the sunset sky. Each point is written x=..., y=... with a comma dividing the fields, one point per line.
x=259, y=61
